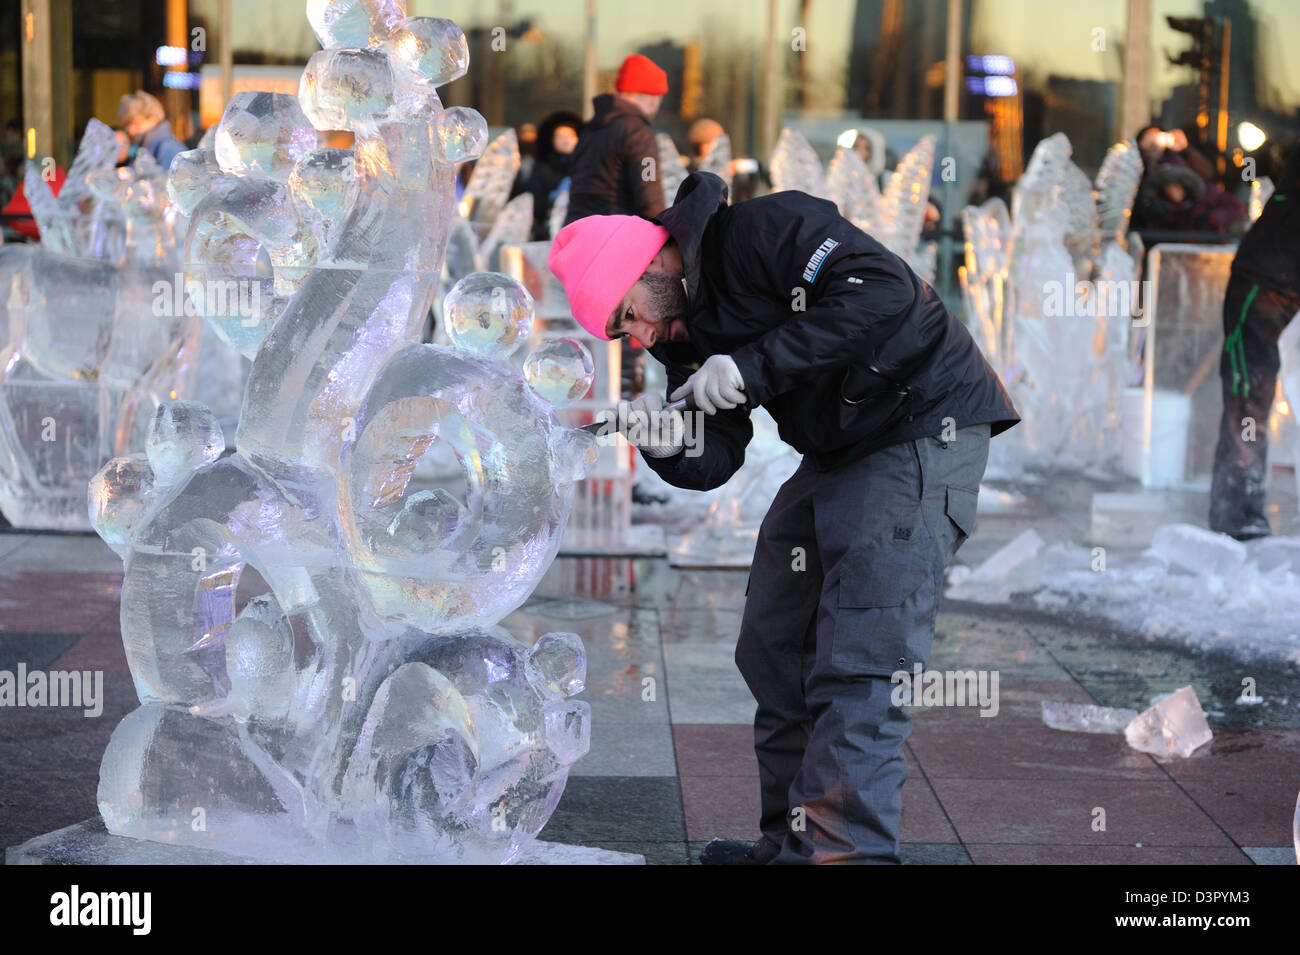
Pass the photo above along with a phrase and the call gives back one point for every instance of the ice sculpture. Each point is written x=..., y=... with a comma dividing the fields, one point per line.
x=795, y=165
x=93, y=332
x=895, y=218
x=718, y=162
x=672, y=168
x=314, y=644
x=1051, y=292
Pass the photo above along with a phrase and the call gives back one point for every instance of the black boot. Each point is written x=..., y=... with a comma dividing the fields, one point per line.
x=737, y=852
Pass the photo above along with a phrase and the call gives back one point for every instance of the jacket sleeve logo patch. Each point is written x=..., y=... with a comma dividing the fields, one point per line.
x=815, y=263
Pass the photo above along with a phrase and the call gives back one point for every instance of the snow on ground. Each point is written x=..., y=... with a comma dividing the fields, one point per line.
x=1194, y=588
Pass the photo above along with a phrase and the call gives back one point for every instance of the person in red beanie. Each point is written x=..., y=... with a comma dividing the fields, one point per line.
x=781, y=302
x=614, y=170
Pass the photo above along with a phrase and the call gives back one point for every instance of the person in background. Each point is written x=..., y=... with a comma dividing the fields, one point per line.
x=526, y=136
x=548, y=175
x=142, y=116
x=615, y=165
x=615, y=168
x=1175, y=199
x=1169, y=200
x=703, y=136
x=1262, y=297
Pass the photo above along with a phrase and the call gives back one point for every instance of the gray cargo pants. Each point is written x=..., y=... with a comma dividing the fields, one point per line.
x=843, y=593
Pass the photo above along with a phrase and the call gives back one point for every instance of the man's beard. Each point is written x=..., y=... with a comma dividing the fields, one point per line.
x=668, y=300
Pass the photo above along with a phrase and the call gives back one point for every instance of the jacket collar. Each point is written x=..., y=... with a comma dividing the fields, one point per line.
x=606, y=107
x=702, y=195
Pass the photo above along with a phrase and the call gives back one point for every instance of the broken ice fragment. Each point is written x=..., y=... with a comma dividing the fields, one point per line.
x=1086, y=718
x=1200, y=551
x=1175, y=726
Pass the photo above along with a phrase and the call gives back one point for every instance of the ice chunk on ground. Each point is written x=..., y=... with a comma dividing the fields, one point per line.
x=1200, y=551
x=1175, y=726
x=1086, y=718
x=1126, y=520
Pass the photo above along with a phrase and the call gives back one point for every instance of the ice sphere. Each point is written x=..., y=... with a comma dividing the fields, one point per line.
x=431, y=49
x=488, y=313
x=259, y=663
x=191, y=178
x=263, y=135
x=119, y=496
x=183, y=435
x=561, y=370
x=462, y=133
x=326, y=179
x=1175, y=726
x=558, y=663
x=347, y=89
x=354, y=23
x=1085, y=718
x=1200, y=551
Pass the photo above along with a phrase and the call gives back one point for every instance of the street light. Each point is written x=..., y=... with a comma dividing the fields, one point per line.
x=1250, y=136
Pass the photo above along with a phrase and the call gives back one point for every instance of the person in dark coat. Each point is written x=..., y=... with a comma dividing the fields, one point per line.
x=1263, y=295
x=549, y=173
x=615, y=167
x=1176, y=199
x=779, y=301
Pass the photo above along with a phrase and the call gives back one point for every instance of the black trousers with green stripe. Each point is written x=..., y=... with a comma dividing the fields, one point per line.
x=1254, y=317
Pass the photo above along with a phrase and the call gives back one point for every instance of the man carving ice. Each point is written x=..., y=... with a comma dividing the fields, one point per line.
x=781, y=302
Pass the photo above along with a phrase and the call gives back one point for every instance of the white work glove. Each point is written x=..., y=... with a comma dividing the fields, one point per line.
x=655, y=432
x=717, y=386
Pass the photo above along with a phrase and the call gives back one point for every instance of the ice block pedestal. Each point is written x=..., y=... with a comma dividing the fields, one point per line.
x=89, y=843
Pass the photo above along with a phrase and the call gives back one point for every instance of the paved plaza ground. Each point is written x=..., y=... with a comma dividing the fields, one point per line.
x=671, y=769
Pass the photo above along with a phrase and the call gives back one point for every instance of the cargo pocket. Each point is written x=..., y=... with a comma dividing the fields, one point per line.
x=885, y=614
x=961, y=507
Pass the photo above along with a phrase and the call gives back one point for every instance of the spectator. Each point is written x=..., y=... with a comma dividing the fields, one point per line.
x=145, y=122
x=1172, y=201
x=1175, y=199
x=549, y=175
x=703, y=136
x=615, y=166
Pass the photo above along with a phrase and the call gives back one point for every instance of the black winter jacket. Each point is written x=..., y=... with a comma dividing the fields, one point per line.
x=846, y=347
x=1269, y=254
x=608, y=174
